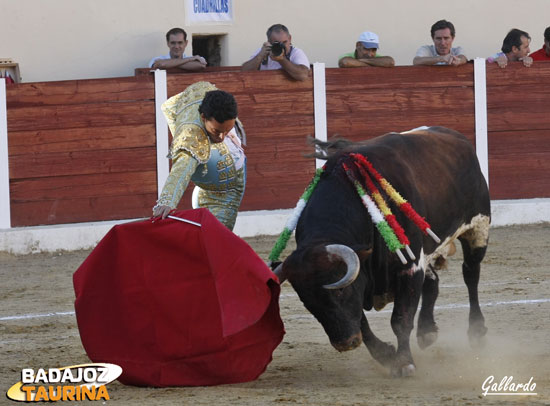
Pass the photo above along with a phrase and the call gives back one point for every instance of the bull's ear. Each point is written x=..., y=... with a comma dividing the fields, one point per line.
x=363, y=251
x=364, y=254
x=285, y=268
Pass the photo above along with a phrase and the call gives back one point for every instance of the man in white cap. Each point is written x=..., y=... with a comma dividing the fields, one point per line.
x=365, y=53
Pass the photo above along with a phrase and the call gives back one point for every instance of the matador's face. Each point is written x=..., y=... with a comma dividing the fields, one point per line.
x=216, y=130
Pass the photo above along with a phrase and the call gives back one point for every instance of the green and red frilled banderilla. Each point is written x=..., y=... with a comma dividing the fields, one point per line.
x=403, y=205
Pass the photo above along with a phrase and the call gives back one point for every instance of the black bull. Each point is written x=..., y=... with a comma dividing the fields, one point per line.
x=437, y=171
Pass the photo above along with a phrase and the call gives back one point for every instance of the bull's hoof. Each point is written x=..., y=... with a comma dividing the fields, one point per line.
x=476, y=334
x=477, y=342
x=384, y=353
x=425, y=340
x=408, y=370
x=404, y=371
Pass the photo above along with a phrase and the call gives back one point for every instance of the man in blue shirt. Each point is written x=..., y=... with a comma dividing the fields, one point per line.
x=176, y=39
x=442, y=51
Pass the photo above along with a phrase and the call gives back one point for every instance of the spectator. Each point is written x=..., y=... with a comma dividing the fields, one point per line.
x=442, y=52
x=176, y=39
x=278, y=53
x=543, y=54
x=515, y=47
x=207, y=149
x=365, y=53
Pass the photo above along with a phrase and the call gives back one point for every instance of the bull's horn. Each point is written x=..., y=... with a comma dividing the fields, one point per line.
x=352, y=261
x=279, y=273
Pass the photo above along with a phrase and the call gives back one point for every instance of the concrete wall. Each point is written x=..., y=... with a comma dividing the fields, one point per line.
x=77, y=39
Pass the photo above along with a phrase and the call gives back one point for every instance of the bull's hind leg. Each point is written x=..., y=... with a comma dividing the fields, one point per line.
x=426, y=332
x=474, y=246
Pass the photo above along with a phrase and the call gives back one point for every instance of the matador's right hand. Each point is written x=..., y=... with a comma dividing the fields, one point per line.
x=161, y=211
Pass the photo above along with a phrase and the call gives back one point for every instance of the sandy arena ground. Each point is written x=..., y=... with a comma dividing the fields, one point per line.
x=515, y=298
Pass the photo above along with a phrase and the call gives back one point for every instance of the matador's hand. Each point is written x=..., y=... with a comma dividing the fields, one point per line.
x=161, y=211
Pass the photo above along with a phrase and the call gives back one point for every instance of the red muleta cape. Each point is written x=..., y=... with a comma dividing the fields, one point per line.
x=178, y=305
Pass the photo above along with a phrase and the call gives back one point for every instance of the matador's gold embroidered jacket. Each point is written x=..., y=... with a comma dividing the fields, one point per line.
x=211, y=166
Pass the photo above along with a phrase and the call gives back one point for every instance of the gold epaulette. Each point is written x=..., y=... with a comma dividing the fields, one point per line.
x=183, y=118
x=182, y=108
x=194, y=140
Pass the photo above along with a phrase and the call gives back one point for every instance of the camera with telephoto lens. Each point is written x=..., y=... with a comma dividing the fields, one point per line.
x=277, y=48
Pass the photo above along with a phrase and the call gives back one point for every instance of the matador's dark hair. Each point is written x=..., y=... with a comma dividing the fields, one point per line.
x=219, y=105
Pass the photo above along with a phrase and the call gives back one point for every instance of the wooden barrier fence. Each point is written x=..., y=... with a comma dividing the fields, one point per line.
x=81, y=150
x=518, y=118
x=85, y=150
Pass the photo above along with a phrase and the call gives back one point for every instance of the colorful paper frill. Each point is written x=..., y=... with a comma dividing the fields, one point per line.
x=292, y=221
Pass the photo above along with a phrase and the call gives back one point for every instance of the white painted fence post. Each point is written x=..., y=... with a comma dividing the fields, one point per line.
x=163, y=167
x=480, y=94
x=320, y=105
x=5, y=210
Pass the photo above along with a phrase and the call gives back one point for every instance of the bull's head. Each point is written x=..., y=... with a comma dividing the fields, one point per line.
x=328, y=281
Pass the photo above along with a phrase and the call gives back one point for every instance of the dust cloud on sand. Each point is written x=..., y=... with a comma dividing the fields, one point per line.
x=38, y=330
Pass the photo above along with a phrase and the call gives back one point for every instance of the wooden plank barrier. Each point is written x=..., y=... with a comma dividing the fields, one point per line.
x=81, y=150
x=365, y=103
x=85, y=150
x=178, y=71
x=518, y=119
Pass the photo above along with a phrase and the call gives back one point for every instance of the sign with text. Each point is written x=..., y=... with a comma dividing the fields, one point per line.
x=199, y=12
x=76, y=382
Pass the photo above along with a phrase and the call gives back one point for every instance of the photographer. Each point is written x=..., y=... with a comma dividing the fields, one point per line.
x=278, y=53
